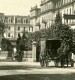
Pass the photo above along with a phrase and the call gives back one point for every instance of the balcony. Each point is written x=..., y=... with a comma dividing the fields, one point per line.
x=63, y=5
x=48, y=10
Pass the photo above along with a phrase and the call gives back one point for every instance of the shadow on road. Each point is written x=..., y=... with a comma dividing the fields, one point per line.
x=29, y=67
x=40, y=77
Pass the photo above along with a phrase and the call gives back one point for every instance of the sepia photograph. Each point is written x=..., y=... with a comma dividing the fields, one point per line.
x=37, y=39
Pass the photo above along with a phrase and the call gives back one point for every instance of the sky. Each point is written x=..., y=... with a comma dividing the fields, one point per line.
x=17, y=7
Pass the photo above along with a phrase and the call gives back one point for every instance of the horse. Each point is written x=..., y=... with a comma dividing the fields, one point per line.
x=44, y=57
x=63, y=54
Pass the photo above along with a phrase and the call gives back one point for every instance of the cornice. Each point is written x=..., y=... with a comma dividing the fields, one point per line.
x=33, y=17
x=35, y=9
x=64, y=5
x=49, y=10
x=42, y=3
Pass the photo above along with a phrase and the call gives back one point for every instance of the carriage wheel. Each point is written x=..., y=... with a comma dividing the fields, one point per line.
x=62, y=64
x=42, y=63
x=72, y=63
x=56, y=63
x=47, y=63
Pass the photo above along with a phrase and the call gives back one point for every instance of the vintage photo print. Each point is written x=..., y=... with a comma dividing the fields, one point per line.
x=37, y=39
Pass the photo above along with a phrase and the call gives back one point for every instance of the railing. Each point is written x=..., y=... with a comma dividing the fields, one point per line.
x=27, y=54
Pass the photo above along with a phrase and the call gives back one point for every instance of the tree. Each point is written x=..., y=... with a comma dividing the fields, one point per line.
x=58, y=19
x=67, y=35
x=17, y=42
x=56, y=27
x=24, y=43
x=25, y=40
x=20, y=43
x=7, y=46
x=2, y=27
x=29, y=41
x=61, y=31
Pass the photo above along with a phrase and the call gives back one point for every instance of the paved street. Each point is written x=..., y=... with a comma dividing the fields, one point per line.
x=14, y=68
x=33, y=71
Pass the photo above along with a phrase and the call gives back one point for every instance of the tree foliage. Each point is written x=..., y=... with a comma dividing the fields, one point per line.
x=56, y=31
x=2, y=27
x=42, y=33
x=6, y=45
x=24, y=43
x=28, y=40
x=62, y=31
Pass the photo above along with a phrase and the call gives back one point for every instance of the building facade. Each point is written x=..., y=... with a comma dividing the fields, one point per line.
x=34, y=17
x=15, y=25
x=48, y=9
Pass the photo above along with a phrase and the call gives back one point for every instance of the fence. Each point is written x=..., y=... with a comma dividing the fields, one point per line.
x=27, y=54
x=3, y=54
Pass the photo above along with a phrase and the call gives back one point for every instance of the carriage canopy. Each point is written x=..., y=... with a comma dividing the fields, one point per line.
x=53, y=44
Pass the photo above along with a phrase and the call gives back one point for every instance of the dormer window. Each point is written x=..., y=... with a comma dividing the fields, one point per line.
x=8, y=34
x=18, y=28
x=9, y=20
x=24, y=20
x=9, y=27
x=18, y=20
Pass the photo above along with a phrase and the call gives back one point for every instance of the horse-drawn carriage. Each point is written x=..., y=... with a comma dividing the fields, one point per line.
x=55, y=51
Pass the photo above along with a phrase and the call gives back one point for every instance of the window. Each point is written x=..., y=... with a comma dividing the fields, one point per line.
x=8, y=34
x=18, y=34
x=24, y=21
x=21, y=20
x=61, y=14
x=18, y=20
x=67, y=11
x=39, y=27
x=9, y=27
x=32, y=29
x=18, y=28
x=9, y=20
x=70, y=10
x=29, y=28
x=24, y=28
x=64, y=11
